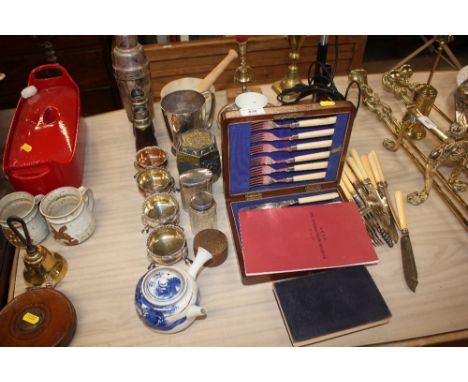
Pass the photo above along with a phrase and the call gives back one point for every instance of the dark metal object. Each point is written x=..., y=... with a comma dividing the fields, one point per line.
x=409, y=265
x=143, y=128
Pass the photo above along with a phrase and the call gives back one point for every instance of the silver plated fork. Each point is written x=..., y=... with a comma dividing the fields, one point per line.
x=270, y=125
x=271, y=137
x=269, y=148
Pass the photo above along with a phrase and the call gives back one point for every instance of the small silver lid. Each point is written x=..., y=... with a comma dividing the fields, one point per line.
x=202, y=201
x=195, y=177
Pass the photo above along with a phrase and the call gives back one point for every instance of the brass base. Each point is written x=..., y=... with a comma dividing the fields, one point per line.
x=283, y=84
x=232, y=93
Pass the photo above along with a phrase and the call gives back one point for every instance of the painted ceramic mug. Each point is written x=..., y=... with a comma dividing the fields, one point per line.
x=69, y=213
x=25, y=206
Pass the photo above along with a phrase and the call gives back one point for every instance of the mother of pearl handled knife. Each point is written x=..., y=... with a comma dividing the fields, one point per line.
x=409, y=264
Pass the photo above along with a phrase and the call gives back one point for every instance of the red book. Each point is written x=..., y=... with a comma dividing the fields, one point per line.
x=306, y=237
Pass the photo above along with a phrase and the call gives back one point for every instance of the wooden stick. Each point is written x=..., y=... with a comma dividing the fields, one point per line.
x=216, y=72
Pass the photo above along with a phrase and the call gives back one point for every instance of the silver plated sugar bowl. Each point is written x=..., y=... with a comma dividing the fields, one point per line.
x=153, y=180
x=160, y=209
x=166, y=245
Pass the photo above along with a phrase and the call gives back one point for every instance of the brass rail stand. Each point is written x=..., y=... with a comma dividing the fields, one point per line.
x=436, y=180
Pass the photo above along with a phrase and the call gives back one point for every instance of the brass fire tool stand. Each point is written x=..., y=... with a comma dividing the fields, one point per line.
x=452, y=148
x=292, y=78
x=428, y=44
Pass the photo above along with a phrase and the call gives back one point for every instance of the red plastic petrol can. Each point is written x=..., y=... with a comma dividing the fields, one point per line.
x=45, y=144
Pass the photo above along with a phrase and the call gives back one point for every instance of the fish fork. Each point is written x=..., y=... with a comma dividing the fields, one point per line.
x=267, y=159
x=265, y=180
x=270, y=125
x=382, y=188
x=269, y=148
x=310, y=134
x=373, y=215
x=353, y=197
x=363, y=182
x=265, y=170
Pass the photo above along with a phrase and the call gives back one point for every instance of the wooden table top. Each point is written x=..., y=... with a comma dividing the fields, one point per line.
x=103, y=271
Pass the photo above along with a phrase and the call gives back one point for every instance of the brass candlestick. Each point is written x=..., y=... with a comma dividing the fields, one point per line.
x=292, y=78
x=244, y=74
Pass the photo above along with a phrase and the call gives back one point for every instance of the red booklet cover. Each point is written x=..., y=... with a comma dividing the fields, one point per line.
x=306, y=237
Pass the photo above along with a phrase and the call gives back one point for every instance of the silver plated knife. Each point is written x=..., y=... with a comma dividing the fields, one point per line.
x=327, y=197
x=409, y=264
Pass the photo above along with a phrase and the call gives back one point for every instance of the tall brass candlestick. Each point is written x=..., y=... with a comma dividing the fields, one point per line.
x=292, y=77
x=244, y=73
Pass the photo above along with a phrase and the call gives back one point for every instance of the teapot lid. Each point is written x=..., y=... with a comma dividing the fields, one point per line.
x=164, y=285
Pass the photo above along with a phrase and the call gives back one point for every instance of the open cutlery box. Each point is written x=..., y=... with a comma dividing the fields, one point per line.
x=238, y=130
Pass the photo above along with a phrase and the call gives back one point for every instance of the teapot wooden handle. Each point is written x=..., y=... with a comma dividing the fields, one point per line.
x=216, y=72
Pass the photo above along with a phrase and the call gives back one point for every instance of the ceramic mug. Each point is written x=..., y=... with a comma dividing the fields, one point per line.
x=25, y=206
x=69, y=213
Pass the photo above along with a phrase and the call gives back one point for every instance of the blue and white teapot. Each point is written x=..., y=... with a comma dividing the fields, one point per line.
x=166, y=297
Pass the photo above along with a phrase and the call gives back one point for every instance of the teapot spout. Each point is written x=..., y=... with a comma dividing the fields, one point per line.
x=195, y=311
x=202, y=257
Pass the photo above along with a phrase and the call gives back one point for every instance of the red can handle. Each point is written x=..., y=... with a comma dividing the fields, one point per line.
x=50, y=75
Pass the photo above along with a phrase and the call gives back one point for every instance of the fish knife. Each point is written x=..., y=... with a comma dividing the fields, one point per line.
x=292, y=202
x=409, y=264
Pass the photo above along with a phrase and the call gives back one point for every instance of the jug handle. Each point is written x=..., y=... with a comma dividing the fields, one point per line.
x=209, y=120
x=38, y=198
x=89, y=196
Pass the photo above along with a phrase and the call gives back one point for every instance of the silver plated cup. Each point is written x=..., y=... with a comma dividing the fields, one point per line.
x=184, y=110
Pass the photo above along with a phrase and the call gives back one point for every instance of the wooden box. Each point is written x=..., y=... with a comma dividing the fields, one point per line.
x=236, y=157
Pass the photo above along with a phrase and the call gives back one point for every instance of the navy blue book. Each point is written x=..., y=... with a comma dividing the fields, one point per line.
x=329, y=304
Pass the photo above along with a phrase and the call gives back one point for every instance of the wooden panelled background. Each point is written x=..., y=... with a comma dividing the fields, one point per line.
x=267, y=55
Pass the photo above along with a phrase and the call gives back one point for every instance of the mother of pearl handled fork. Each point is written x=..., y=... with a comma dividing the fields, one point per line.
x=272, y=137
